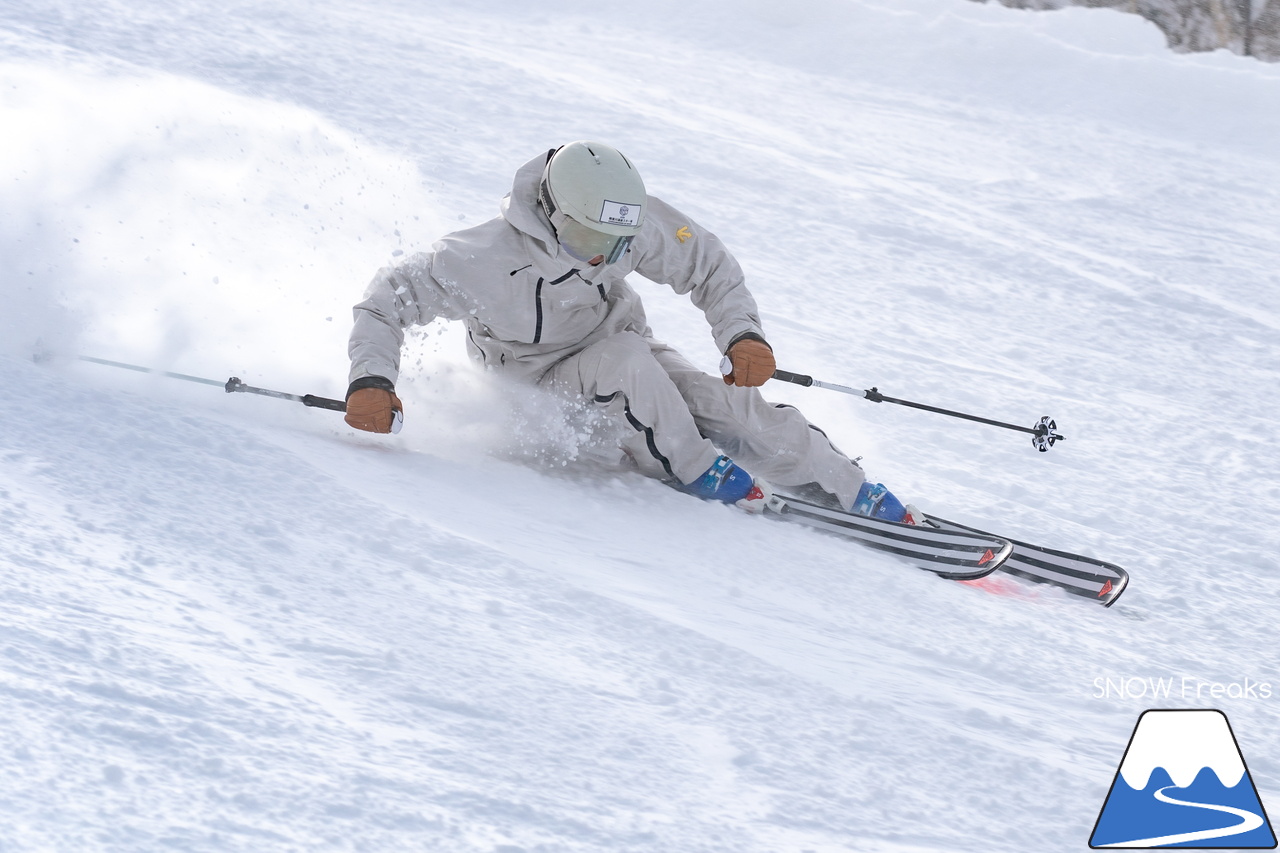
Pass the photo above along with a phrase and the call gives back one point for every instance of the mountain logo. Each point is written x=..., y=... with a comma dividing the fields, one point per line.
x=1183, y=783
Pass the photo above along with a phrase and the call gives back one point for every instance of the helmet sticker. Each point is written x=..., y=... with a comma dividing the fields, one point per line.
x=616, y=213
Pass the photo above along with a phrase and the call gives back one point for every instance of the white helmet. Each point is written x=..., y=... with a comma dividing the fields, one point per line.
x=595, y=200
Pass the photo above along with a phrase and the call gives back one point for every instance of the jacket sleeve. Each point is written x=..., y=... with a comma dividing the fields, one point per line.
x=676, y=251
x=398, y=297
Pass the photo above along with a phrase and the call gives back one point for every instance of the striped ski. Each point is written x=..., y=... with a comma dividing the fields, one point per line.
x=955, y=554
x=1086, y=577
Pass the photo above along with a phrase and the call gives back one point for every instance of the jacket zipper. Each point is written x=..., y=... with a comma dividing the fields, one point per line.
x=537, y=304
x=537, y=300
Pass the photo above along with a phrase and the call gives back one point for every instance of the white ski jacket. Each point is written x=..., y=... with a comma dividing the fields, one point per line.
x=527, y=304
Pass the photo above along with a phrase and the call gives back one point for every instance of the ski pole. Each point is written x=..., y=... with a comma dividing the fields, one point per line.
x=1044, y=433
x=235, y=385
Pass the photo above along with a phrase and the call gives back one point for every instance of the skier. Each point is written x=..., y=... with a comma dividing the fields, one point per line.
x=542, y=292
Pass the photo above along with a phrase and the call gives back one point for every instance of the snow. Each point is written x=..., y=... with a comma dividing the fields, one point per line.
x=230, y=623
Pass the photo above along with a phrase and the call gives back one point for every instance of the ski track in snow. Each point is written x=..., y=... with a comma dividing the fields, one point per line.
x=229, y=625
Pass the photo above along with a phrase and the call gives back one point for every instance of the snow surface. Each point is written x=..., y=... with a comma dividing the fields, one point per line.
x=230, y=623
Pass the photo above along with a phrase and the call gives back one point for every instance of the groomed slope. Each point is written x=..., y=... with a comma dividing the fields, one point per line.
x=228, y=624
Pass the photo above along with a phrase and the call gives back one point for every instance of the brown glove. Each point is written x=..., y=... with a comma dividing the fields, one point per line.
x=371, y=409
x=753, y=363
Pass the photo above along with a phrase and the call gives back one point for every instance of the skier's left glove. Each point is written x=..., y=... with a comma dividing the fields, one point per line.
x=751, y=362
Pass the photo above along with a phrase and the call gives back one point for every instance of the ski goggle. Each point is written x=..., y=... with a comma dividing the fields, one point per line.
x=586, y=244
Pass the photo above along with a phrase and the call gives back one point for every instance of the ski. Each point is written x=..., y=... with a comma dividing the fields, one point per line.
x=954, y=554
x=1086, y=577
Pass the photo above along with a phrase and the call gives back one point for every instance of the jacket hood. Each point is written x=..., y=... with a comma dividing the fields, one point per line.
x=521, y=209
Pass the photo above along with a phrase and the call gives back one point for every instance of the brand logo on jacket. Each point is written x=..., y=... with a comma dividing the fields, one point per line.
x=684, y=234
x=1183, y=783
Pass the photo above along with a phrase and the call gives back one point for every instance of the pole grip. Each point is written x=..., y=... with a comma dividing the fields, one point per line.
x=323, y=403
x=793, y=378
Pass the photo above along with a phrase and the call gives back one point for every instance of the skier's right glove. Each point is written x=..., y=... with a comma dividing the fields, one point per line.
x=372, y=405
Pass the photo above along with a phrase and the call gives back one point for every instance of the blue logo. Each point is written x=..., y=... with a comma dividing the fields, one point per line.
x=1183, y=783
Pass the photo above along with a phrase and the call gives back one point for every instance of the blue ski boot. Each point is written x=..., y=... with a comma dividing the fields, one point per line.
x=725, y=481
x=875, y=501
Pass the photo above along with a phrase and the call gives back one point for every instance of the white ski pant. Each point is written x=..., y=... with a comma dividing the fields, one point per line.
x=682, y=419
